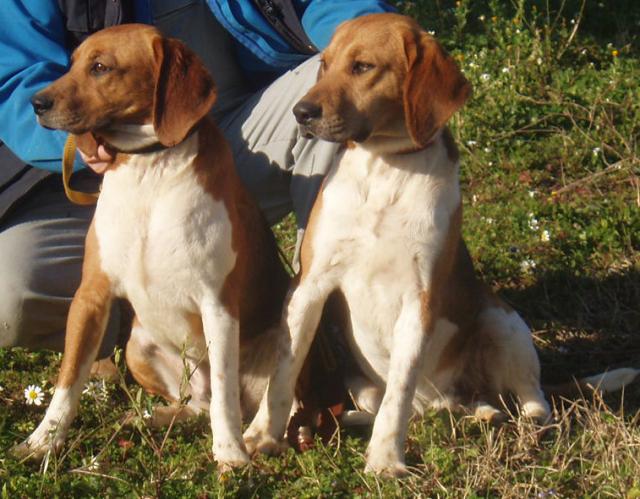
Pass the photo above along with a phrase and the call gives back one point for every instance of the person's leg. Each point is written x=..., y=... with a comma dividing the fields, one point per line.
x=282, y=169
x=41, y=252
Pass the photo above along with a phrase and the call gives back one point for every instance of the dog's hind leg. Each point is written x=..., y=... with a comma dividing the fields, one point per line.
x=163, y=371
x=515, y=367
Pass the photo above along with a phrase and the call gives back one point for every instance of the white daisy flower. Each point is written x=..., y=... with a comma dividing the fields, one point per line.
x=527, y=265
x=33, y=395
x=485, y=77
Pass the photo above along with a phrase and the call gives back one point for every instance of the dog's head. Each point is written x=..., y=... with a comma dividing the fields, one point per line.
x=129, y=75
x=382, y=78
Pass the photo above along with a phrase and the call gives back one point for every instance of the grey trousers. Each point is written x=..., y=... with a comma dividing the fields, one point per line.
x=42, y=240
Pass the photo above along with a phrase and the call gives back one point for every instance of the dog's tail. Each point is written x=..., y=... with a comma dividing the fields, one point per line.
x=609, y=381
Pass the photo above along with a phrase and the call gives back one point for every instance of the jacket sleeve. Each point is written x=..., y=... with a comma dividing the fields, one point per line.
x=322, y=17
x=32, y=55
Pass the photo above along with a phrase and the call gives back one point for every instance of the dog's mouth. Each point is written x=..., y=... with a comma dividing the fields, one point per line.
x=333, y=131
x=70, y=122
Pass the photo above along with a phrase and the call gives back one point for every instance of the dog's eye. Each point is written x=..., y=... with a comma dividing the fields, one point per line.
x=98, y=68
x=360, y=67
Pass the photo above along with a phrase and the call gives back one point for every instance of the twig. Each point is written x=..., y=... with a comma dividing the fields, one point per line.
x=615, y=166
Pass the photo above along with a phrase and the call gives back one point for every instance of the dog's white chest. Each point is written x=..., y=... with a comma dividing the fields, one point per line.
x=163, y=240
x=380, y=233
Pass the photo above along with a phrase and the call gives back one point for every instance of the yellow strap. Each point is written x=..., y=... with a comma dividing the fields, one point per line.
x=68, y=158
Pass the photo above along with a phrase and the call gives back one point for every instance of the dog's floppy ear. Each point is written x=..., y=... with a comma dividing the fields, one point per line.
x=434, y=87
x=184, y=92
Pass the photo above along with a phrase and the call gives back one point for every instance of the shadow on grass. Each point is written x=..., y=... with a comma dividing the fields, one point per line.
x=584, y=325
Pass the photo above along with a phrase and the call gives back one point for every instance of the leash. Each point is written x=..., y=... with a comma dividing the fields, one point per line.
x=68, y=158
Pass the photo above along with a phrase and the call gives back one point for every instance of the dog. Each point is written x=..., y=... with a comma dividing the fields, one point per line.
x=385, y=234
x=174, y=232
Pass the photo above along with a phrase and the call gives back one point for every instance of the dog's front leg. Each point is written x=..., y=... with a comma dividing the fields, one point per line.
x=86, y=324
x=385, y=453
x=302, y=315
x=222, y=334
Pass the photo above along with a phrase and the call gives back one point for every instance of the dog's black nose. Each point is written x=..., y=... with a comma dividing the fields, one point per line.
x=306, y=111
x=41, y=104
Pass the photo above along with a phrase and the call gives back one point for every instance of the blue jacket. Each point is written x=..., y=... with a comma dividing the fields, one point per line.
x=33, y=53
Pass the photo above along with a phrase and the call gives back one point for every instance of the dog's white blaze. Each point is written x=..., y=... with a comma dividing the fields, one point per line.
x=166, y=245
x=379, y=234
x=162, y=239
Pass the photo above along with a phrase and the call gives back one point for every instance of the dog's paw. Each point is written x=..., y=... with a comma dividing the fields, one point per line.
x=37, y=446
x=230, y=457
x=537, y=411
x=385, y=462
x=261, y=442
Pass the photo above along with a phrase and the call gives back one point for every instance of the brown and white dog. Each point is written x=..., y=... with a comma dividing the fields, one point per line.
x=174, y=232
x=385, y=232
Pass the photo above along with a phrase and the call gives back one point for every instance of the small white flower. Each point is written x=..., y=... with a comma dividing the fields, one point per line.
x=481, y=18
x=471, y=143
x=91, y=464
x=490, y=163
x=596, y=151
x=545, y=236
x=506, y=70
x=573, y=21
x=533, y=222
x=527, y=265
x=146, y=414
x=472, y=65
x=532, y=194
x=97, y=390
x=33, y=395
x=487, y=150
x=432, y=32
x=539, y=61
x=583, y=52
x=488, y=220
x=485, y=77
x=474, y=199
x=1, y=388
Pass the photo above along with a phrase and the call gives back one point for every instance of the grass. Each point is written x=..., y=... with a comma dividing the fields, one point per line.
x=552, y=217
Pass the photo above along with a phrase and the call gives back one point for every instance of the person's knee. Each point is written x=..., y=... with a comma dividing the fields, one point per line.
x=13, y=290
x=29, y=316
